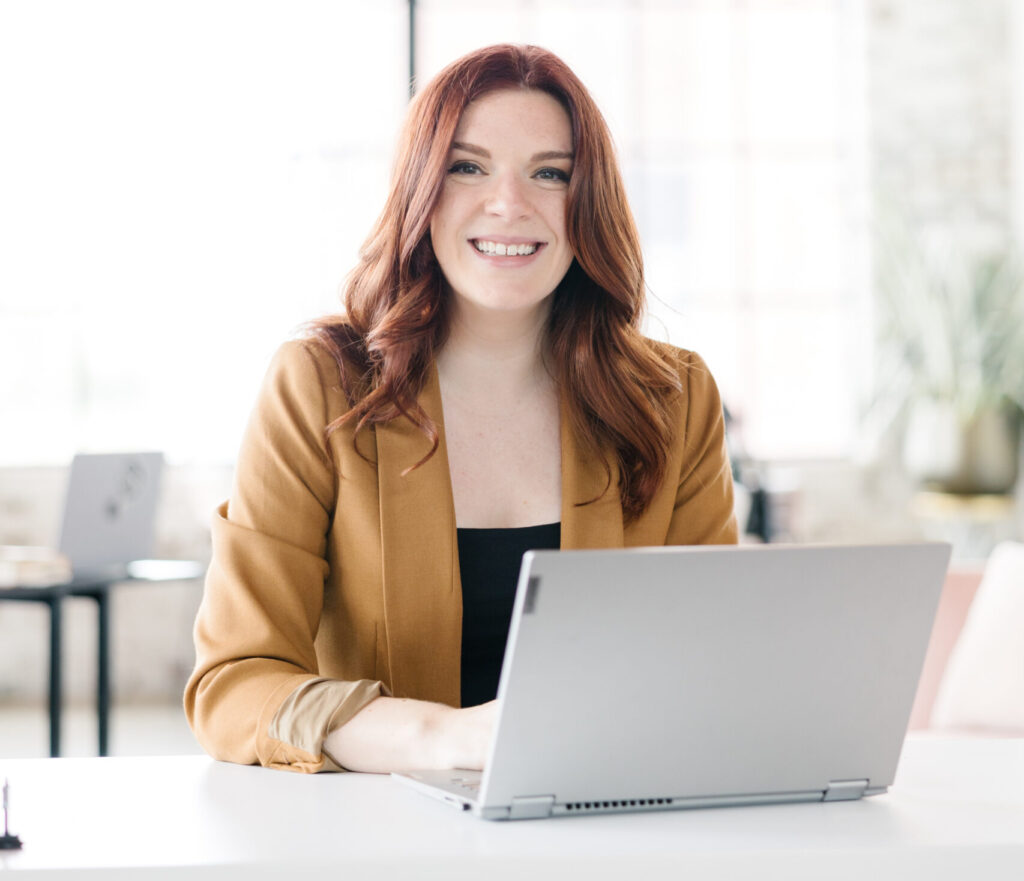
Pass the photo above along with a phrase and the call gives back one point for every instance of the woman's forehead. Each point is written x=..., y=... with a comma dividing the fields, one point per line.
x=525, y=114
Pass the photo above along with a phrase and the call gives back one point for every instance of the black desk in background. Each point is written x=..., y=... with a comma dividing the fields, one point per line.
x=96, y=587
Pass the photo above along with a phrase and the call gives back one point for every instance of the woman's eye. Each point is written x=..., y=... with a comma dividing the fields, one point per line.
x=555, y=174
x=464, y=168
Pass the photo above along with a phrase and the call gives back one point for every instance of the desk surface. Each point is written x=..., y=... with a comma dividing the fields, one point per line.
x=956, y=810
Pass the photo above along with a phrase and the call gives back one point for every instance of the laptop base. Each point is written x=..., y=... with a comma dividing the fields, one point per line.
x=459, y=788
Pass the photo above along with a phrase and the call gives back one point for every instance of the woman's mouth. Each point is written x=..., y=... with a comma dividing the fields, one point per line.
x=502, y=249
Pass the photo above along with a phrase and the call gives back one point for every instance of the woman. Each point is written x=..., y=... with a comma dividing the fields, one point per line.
x=486, y=391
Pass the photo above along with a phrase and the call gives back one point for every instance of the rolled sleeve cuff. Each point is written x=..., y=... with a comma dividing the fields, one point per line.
x=318, y=707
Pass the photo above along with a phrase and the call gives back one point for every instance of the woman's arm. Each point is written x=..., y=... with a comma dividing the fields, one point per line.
x=703, y=509
x=256, y=694
x=396, y=734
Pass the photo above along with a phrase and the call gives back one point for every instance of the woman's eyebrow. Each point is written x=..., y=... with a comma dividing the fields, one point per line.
x=471, y=148
x=536, y=157
x=551, y=154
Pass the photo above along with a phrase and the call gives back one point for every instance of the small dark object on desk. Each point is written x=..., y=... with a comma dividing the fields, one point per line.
x=8, y=841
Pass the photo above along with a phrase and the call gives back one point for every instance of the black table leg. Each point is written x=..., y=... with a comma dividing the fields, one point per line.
x=56, y=657
x=103, y=671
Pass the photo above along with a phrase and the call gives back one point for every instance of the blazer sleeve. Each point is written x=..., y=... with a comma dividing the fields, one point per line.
x=703, y=511
x=255, y=695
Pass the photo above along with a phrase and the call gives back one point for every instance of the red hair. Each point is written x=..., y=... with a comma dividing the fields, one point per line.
x=616, y=384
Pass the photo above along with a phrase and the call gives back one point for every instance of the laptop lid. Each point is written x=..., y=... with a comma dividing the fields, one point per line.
x=670, y=677
x=110, y=510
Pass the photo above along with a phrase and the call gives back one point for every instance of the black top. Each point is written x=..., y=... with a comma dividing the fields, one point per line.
x=489, y=561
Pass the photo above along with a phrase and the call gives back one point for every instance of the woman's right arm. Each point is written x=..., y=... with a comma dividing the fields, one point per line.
x=256, y=695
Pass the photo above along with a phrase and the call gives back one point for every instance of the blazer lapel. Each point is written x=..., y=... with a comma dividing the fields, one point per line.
x=419, y=549
x=422, y=593
x=599, y=523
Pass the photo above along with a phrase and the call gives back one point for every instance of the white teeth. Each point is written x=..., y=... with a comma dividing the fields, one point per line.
x=500, y=249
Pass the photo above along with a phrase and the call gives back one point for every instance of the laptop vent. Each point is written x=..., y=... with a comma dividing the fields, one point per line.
x=626, y=804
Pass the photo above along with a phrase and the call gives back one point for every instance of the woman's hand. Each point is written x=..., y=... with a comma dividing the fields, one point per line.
x=398, y=734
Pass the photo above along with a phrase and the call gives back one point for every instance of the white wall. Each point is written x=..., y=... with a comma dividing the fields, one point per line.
x=941, y=110
x=1016, y=31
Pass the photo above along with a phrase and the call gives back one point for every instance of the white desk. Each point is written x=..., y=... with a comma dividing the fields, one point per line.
x=956, y=811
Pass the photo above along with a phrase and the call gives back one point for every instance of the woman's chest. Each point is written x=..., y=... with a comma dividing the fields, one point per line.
x=505, y=463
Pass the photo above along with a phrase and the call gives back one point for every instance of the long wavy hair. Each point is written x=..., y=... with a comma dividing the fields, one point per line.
x=615, y=382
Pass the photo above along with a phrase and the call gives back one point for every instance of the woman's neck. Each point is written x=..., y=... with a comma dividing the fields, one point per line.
x=495, y=352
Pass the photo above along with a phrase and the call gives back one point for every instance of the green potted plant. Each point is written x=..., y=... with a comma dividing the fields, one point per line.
x=951, y=362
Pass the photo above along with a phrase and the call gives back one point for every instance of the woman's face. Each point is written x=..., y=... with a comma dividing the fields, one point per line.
x=498, y=230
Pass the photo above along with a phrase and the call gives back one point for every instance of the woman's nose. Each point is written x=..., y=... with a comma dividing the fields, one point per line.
x=508, y=198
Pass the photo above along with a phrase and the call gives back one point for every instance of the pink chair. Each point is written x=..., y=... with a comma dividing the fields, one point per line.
x=961, y=585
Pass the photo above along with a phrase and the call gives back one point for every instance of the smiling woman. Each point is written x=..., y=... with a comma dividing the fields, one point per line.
x=486, y=391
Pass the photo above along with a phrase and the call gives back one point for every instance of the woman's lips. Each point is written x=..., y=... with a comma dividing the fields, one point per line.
x=506, y=249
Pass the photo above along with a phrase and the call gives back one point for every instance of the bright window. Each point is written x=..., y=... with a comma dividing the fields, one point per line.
x=183, y=184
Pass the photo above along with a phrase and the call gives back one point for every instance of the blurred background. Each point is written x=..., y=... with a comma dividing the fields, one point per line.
x=830, y=195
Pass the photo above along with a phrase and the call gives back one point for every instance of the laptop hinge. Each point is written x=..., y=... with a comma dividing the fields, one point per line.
x=531, y=807
x=845, y=790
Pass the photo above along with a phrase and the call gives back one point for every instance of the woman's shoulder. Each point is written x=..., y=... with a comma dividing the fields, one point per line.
x=698, y=402
x=331, y=341
x=299, y=360
x=690, y=367
x=318, y=363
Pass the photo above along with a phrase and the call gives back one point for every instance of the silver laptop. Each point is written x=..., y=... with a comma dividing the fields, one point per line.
x=665, y=678
x=110, y=511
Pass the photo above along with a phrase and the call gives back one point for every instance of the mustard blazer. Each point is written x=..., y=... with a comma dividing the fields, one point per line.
x=335, y=579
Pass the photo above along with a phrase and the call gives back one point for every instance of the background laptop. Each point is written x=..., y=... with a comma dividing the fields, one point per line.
x=110, y=511
x=662, y=678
